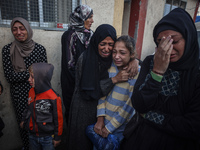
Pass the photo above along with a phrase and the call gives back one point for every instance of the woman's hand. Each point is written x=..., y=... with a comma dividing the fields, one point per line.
x=99, y=125
x=132, y=68
x=122, y=76
x=162, y=55
x=105, y=133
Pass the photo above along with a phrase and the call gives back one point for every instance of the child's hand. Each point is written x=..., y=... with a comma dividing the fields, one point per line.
x=56, y=143
x=105, y=133
x=22, y=124
x=99, y=125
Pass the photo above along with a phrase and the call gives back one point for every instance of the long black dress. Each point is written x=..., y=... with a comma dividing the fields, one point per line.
x=174, y=126
x=68, y=74
x=19, y=85
x=171, y=105
x=83, y=112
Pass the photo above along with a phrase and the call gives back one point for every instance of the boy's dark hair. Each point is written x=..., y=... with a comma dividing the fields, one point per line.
x=129, y=43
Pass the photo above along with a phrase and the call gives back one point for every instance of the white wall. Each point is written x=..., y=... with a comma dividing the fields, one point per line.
x=126, y=17
x=155, y=10
x=103, y=11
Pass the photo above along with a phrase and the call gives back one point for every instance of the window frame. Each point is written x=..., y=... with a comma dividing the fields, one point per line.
x=170, y=7
x=41, y=24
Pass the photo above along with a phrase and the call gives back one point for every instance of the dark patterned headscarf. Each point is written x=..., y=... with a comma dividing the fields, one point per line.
x=81, y=13
x=92, y=61
x=180, y=21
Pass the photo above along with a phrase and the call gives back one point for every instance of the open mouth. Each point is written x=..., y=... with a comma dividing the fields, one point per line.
x=117, y=62
x=21, y=38
x=105, y=53
x=172, y=55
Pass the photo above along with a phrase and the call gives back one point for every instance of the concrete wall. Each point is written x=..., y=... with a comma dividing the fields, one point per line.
x=155, y=11
x=109, y=12
x=51, y=40
x=118, y=16
x=103, y=11
x=126, y=17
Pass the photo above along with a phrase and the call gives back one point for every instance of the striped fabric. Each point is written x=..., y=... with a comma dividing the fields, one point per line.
x=116, y=107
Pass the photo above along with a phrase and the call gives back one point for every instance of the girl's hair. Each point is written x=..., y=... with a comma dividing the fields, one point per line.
x=129, y=43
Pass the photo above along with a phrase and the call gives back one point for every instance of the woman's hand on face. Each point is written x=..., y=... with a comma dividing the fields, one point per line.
x=132, y=68
x=162, y=55
x=99, y=125
x=122, y=76
x=105, y=133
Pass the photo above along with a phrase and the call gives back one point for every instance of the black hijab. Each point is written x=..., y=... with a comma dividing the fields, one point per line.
x=180, y=21
x=95, y=68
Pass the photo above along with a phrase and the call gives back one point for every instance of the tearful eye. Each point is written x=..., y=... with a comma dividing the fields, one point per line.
x=174, y=42
x=102, y=44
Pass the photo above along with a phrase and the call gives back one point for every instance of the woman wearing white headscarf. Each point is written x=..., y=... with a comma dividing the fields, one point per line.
x=17, y=57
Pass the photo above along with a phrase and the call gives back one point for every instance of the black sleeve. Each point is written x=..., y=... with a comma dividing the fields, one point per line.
x=146, y=90
x=106, y=86
x=1, y=87
x=10, y=74
x=187, y=124
x=65, y=47
x=43, y=55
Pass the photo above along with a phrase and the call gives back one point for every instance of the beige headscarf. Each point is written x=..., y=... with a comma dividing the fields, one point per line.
x=19, y=50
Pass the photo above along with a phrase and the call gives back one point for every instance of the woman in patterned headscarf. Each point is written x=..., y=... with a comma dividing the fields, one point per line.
x=17, y=57
x=167, y=92
x=74, y=41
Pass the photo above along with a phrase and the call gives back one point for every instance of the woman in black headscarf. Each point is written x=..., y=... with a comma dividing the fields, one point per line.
x=167, y=92
x=92, y=82
x=74, y=41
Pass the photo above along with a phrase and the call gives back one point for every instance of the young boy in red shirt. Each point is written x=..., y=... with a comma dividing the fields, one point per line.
x=43, y=116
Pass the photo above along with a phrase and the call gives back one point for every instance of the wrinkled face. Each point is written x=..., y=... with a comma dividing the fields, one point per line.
x=105, y=47
x=121, y=55
x=19, y=31
x=31, y=79
x=88, y=23
x=178, y=44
